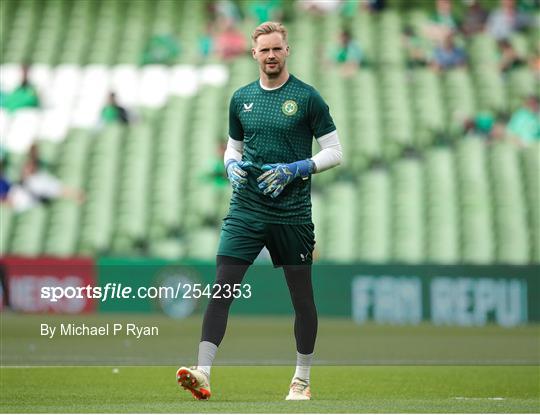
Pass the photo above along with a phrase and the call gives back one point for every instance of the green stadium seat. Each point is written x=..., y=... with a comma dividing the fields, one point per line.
x=319, y=215
x=459, y=96
x=428, y=107
x=28, y=232
x=62, y=232
x=477, y=234
x=77, y=33
x=99, y=209
x=442, y=220
x=373, y=217
x=483, y=51
x=530, y=162
x=510, y=212
x=134, y=188
x=167, y=248
x=521, y=83
x=407, y=211
x=490, y=89
x=6, y=223
x=203, y=243
x=340, y=223
x=390, y=51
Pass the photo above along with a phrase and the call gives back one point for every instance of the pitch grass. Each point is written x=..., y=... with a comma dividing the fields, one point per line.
x=258, y=340
x=382, y=389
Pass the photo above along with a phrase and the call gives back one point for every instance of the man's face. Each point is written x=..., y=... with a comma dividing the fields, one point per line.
x=271, y=52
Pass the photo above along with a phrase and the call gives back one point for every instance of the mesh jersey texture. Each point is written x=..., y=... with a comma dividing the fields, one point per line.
x=276, y=126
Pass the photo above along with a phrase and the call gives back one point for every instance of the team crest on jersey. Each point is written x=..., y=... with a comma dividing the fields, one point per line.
x=289, y=107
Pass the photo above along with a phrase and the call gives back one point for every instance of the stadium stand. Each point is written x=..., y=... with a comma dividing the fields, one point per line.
x=373, y=216
x=478, y=238
x=407, y=211
x=531, y=173
x=412, y=188
x=441, y=207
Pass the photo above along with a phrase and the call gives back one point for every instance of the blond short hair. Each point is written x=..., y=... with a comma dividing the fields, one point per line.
x=269, y=27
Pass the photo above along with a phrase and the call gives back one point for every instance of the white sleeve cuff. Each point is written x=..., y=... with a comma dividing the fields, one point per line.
x=234, y=150
x=331, y=153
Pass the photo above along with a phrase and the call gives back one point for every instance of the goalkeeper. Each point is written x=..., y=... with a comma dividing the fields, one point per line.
x=268, y=159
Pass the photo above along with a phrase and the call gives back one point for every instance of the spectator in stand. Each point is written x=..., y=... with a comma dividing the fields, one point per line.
x=214, y=172
x=114, y=112
x=266, y=11
x=444, y=16
x=442, y=23
x=318, y=7
x=417, y=48
x=161, y=49
x=481, y=124
x=505, y=20
x=524, y=125
x=37, y=185
x=487, y=125
x=350, y=8
x=448, y=55
x=24, y=96
x=475, y=18
x=374, y=6
x=528, y=6
x=348, y=53
x=509, y=57
x=5, y=184
x=33, y=162
x=14, y=195
x=42, y=185
x=534, y=62
x=206, y=42
x=498, y=131
x=225, y=10
x=230, y=43
x=3, y=99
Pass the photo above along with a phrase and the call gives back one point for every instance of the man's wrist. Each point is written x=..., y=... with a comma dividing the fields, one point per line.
x=229, y=162
x=304, y=168
x=312, y=166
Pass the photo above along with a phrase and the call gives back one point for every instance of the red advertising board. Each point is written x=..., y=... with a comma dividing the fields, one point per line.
x=27, y=279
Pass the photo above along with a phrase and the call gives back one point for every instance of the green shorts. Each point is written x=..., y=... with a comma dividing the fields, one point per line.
x=287, y=244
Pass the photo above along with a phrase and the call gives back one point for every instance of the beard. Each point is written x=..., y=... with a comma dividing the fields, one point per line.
x=272, y=72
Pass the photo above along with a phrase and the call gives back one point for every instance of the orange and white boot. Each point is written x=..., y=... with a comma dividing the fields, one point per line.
x=195, y=381
x=299, y=391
